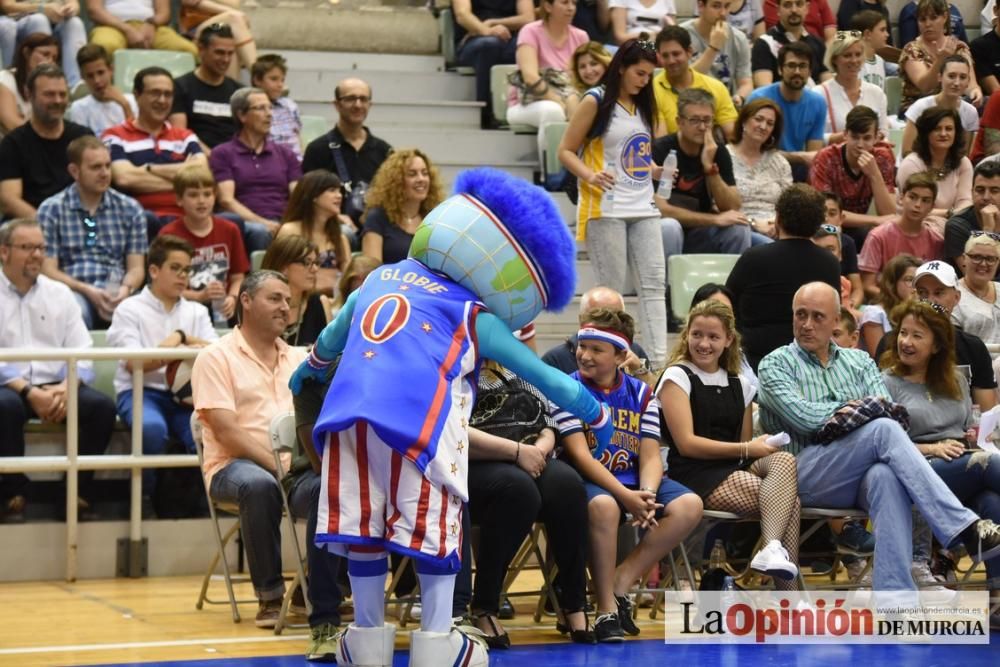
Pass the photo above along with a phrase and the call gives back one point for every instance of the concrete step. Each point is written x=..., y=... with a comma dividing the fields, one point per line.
x=567, y=320
x=449, y=170
x=422, y=113
x=317, y=85
x=362, y=62
x=464, y=146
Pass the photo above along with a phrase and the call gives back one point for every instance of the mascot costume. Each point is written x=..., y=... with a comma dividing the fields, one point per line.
x=393, y=431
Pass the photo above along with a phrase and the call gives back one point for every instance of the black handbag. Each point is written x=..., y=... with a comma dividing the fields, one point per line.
x=509, y=411
x=354, y=192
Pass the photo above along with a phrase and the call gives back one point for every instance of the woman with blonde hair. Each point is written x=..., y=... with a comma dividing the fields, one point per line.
x=298, y=260
x=978, y=311
x=589, y=64
x=405, y=189
x=707, y=422
x=845, y=57
x=314, y=213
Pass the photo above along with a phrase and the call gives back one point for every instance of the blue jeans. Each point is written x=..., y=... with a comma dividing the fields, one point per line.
x=162, y=417
x=877, y=468
x=974, y=478
x=255, y=490
x=71, y=34
x=324, y=593
x=756, y=239
x=91, y=319
x=731, y=240
x=482, y=53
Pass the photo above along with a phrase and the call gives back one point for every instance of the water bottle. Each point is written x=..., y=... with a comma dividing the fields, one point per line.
x=977, y=416
x=217, y=317
x=667, y=177
x=608, y=200
x=717, y=557
x=728, y=597
x=113, y=283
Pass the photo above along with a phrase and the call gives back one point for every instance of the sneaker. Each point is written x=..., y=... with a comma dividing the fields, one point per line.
x=416, y=610
x=297, y=605
x=944, y=567
x=773, y=561
x=988, y=543
x=929, y=585
x=821, y=566
x=267, y=613
x=323, y=644
x=608, y=630
x=855, y=540
x=854, y=572
x=625, y=620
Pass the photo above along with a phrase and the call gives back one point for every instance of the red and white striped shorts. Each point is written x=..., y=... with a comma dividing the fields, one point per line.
x=372, y=497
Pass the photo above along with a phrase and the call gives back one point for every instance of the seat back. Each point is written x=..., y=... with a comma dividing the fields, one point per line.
x=256, y=259
x=893, y=94
x=686, y=273
x=282, y=437
x=104, y=369
x=550, y=159
x=312, y=128
x=128, y=63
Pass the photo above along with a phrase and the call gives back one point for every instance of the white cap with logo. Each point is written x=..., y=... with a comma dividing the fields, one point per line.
x=943, y=271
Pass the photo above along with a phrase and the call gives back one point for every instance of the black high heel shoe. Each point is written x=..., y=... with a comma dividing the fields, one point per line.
x=585, y=636
x=497, y=640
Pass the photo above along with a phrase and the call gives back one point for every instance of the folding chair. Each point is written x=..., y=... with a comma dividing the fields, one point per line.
x=531, y=547
x=819, y=516
x=283, y=439
x=220, y=540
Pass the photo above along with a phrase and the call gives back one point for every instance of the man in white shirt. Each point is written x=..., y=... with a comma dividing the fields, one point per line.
x=159, y=316
x=37, y=312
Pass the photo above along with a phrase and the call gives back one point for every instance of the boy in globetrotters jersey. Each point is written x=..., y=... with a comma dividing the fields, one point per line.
x=625, y=477
x=393, y=429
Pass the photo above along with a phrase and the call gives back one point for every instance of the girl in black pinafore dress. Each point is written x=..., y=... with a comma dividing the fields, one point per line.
x=706, y=422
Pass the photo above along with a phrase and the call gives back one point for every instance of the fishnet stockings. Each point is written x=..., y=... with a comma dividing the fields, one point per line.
x=768, y=489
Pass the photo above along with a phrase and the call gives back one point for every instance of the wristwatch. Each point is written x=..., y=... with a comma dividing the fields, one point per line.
x=643, y=368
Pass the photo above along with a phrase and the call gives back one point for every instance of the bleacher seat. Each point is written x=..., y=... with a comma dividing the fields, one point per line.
x=498, y=95
x=256, y=259
x=128, y=62
x=893, y=94
x=312, y=127
x=686, y=273
x=104, y=369
x=550, y=157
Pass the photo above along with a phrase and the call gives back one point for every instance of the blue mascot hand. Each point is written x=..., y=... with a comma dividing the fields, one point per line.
x=313, y=368
x=602, y=429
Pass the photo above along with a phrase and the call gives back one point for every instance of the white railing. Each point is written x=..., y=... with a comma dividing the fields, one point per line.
x=72, y=463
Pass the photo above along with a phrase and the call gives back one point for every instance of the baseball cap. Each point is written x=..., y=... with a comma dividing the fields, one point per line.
x=943, y=271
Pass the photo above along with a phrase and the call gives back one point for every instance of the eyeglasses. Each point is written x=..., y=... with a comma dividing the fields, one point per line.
x=28, y=247
x=90, y=232
x=701, y=122
x=220, y=29
x=992, y=235
x=847, y=34
x=260, y=107
x=182, y=271
x=982, y=259
x=354, y=99
x=936, y=307
x=308, y=263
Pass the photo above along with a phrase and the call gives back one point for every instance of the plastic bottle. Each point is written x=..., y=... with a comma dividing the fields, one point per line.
x=728, y=597
x=977, y=416
x=608, y=200
x=114, y=282
x=717, y=557
x=667, y=177
x=217, y=317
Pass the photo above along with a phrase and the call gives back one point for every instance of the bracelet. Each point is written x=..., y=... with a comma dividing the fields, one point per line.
x=646, y=488
x=517, y=452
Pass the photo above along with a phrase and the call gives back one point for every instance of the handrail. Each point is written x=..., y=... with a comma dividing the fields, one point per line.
x=72, y=463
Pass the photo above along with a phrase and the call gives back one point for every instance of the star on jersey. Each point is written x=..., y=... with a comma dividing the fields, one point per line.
x=369, y=355
x=404, y=288
x=454, y=528
x=426, y=326
x=460, y=446
x=454, y=468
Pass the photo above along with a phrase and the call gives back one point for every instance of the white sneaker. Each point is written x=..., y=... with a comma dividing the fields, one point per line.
x=367, y=647
x=415, y=611
x=854, y=570
x=929, y=586
x=462, y=646
x=773, y=561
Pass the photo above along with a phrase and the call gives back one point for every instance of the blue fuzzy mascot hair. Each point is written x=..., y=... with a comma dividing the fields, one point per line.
x=532, y=217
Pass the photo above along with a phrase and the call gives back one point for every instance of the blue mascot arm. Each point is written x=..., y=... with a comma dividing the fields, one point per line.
x=328, y=345
x=496, y=342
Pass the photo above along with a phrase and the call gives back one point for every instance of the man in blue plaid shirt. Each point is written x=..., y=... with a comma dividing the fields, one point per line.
x=95, y=236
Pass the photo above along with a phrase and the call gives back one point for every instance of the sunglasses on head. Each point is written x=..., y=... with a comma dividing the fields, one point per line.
x=220, y=29
x=936, y=307
x=847, y=34
x=992, y=235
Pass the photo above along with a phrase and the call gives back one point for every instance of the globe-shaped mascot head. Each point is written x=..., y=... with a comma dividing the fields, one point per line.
x=503, y=239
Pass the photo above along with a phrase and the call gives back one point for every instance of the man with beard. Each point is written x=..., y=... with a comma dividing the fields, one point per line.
x=764, y=59
x=803, y=111
x=96, y=236
x=860, y=170
x=33, y=156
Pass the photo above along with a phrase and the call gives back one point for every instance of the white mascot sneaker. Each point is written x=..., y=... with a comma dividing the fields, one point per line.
x=366, y=647
x=463, y=647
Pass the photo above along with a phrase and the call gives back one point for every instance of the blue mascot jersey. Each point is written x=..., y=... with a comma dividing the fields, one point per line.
x=410, y=360
x=634, y=414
